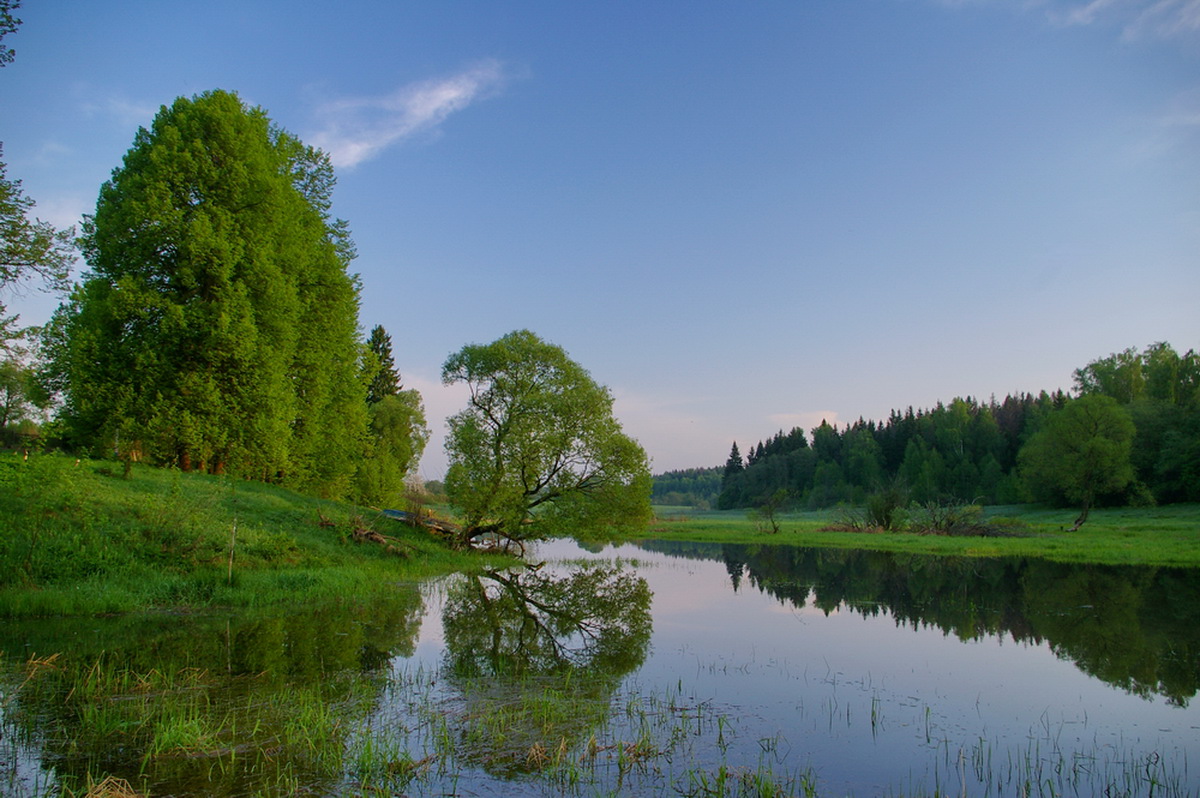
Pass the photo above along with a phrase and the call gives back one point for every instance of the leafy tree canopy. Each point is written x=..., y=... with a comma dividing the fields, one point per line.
x=537, y=451
x=1082, y=451
x=217, y=327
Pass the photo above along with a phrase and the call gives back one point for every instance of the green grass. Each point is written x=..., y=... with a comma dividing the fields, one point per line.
x=78, y=538
x=1167, y=535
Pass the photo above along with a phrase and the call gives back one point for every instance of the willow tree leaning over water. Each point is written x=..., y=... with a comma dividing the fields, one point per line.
x=537, y=451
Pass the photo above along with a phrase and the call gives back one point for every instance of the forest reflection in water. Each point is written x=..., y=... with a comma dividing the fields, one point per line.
x=656, y=668
x=1134, y=627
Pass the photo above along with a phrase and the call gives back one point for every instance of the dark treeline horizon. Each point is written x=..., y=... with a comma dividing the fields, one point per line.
x=967, y=450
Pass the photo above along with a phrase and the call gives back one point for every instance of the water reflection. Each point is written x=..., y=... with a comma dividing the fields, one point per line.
x=194, y=705
x=595, y=621
x=535, y=657
x=632, y=673
x=1137, y=628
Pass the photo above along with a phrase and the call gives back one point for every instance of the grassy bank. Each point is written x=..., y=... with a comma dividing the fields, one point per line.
x=1168, y=535
x=76, y=537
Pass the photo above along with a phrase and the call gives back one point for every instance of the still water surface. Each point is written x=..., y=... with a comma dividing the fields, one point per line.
x=664, y=668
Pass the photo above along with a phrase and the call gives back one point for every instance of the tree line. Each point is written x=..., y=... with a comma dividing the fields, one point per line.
x=972, y=451
x=696, y=487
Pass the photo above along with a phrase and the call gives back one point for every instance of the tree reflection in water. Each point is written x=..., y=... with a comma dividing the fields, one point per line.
x=535, y=658
x=195, y=705
x=1134, y=627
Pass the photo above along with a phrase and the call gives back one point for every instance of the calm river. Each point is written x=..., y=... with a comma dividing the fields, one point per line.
x=660, y=668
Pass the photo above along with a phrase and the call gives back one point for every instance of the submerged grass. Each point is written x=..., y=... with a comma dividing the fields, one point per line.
x=1167, y=535
x=81, y=539
x=191, y=731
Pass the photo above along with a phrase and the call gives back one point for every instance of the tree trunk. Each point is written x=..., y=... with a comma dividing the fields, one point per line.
x=1083, y=515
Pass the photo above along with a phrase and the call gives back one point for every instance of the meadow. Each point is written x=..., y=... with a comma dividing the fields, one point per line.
x=1168, y=535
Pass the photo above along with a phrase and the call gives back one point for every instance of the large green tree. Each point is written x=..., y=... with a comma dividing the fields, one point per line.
x=538, y=451
x=217, y=327
x=1081, y=452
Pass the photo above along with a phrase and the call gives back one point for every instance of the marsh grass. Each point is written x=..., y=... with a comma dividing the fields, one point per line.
x=191, y=731
x=80, y=539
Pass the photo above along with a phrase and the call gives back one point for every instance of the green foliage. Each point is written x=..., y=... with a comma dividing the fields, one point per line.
x=398, y=437
x=1082, y=452
x=538, y=451
x=217, y=328
x=19, y=393
x=29, y=247
x=8, y=24
x=967, y=451
x=885, y=509
x=382, y=378
x=1159, y=373
x=695, y=487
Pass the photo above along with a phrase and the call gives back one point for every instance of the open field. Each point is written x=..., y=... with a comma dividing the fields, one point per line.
x=1168, y=535
x=78, y=538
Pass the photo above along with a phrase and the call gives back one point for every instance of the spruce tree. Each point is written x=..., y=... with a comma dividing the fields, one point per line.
x=734, y=464
x=386, y=380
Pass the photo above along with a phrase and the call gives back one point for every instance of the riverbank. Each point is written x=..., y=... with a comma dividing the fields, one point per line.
x=80, y=539
x=1167, y=535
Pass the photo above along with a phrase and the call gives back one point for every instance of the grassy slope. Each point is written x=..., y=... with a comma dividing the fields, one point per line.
x=77, y=538
x=1168, y=535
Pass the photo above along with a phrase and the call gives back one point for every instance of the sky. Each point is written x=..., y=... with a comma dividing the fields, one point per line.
x=740, y=217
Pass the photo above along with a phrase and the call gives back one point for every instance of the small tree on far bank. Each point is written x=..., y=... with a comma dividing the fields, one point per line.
x=766, y=512
x=1081, y=452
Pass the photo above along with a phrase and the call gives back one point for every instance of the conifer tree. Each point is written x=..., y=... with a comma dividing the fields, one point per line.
x=734, y=464
x=386, y=380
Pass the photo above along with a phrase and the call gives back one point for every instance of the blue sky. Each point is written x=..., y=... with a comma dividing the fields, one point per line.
x=741, y=217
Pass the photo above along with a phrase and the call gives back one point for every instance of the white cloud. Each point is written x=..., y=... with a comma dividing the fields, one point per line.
x=126, y=112
x=1167, y=18
x=1136, y=18
x=357, y=129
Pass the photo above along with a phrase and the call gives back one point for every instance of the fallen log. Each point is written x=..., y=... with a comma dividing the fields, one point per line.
x=424, y=521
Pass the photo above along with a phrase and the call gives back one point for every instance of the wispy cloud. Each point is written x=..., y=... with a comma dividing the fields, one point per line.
x=126, y=112
x=357, y=129
x=1137, y=18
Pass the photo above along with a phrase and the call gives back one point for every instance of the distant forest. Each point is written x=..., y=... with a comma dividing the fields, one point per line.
x=966, y=450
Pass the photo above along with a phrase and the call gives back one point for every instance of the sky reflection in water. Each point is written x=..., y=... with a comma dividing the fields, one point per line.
x=875, y=704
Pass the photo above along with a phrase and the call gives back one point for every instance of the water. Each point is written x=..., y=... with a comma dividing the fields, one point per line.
x=661, y=668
